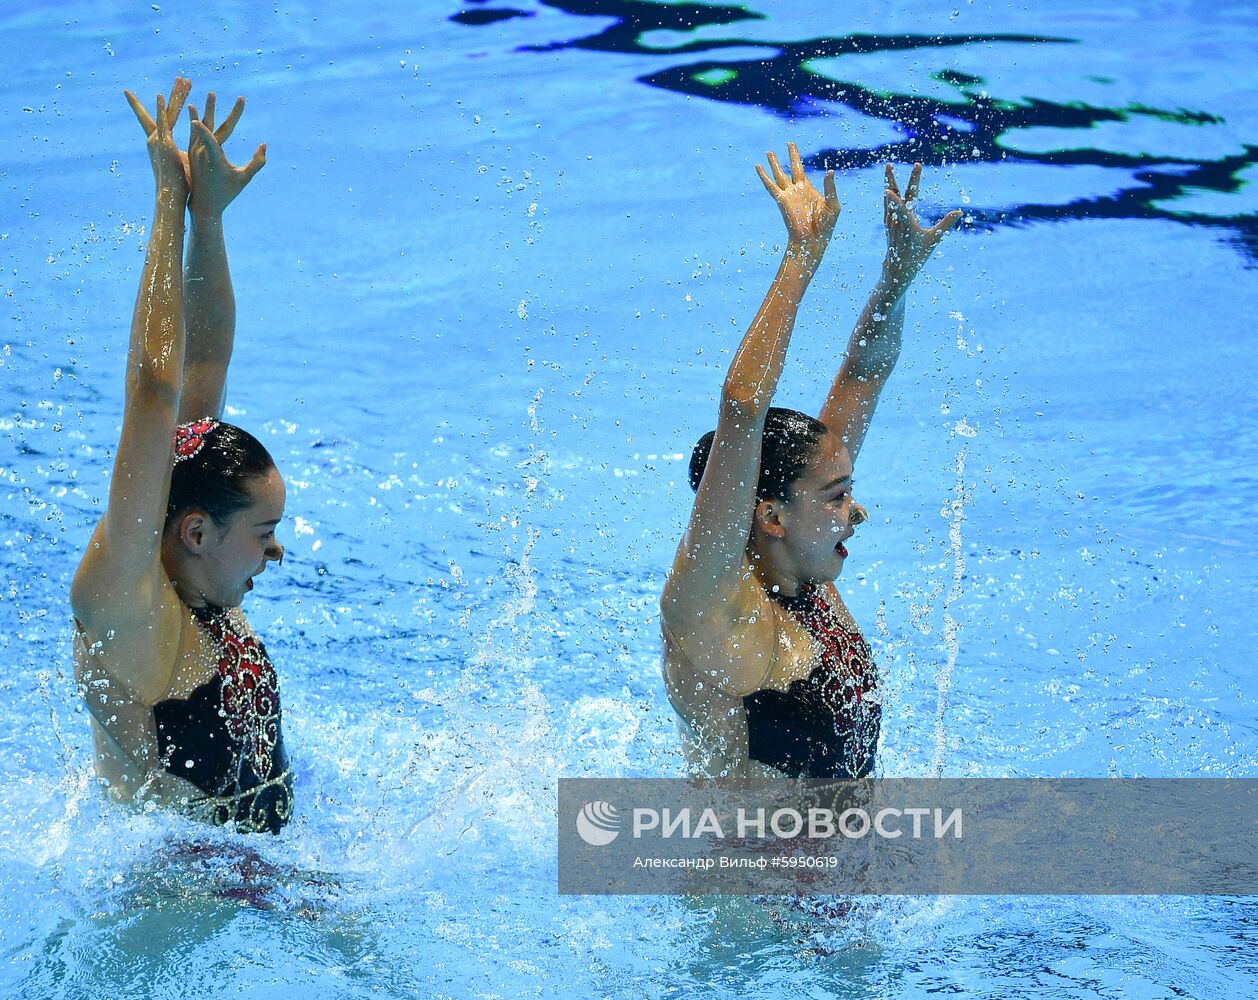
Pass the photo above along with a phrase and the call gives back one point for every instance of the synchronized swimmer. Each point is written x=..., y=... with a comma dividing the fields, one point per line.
x=183, y=698
x=764, y=665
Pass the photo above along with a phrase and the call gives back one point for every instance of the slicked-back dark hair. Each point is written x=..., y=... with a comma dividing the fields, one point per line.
x=789, y=443
x=216, y=479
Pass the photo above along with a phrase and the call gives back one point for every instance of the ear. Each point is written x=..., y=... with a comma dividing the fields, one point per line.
x=767, y=518
x=193, y=530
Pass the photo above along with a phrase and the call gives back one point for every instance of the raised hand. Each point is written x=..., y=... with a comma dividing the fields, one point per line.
x=170, y=163
x=809, y=216
x=908, y=243
x=215, y=181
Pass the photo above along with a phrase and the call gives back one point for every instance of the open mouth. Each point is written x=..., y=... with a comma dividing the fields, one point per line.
x=841, y=549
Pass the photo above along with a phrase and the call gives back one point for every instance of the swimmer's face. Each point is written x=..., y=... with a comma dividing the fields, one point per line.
x=234, y=552
x=818, y=519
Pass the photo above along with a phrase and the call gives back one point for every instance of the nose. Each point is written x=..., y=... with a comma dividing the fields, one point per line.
x=857, y=515
x=275, y=551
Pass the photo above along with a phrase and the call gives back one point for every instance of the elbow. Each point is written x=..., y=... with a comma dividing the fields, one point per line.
x=153, y=384
x=744, y=407
x=870, y=377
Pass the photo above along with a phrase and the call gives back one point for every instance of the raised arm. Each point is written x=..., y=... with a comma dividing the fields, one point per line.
x=116, y=583
x=707, y=589
x=874, y=347
x=209, y=301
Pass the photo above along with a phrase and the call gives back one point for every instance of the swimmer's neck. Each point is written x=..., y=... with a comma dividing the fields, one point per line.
x=774, y=579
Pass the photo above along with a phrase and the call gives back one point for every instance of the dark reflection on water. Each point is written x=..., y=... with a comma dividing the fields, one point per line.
x=973, y=129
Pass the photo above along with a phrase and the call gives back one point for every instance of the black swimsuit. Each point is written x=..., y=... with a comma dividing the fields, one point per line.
x=824, y=725
x=225, y=737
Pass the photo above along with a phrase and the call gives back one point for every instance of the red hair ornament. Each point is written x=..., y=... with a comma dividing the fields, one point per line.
x=190, y=437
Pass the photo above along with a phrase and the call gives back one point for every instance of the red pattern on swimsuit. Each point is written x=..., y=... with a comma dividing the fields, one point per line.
x=848, y=671
x=843, y=652
x=251, y=689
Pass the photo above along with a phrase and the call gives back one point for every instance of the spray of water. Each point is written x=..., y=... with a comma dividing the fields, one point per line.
x=951, y=630
x=75, y=782
x=955, y=512
x=505, y=769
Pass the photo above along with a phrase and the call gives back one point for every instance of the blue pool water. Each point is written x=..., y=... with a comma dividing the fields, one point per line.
x=488, y=285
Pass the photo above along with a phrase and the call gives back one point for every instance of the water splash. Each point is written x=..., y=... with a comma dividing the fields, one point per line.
x=75, y=782
x=952, y=631
x=507, y=744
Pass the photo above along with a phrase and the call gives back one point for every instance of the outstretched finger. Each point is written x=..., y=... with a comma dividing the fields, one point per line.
x=223, y=131
x=178, y=94
x=797, y=165
x=160, y=123
x=764, y=179
x=256, y=163
x=892, y=204
x=891, y=182
x=832, y=195
x=915, y=179
x=141, y=113
x=778, y=174
x=946, y=223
